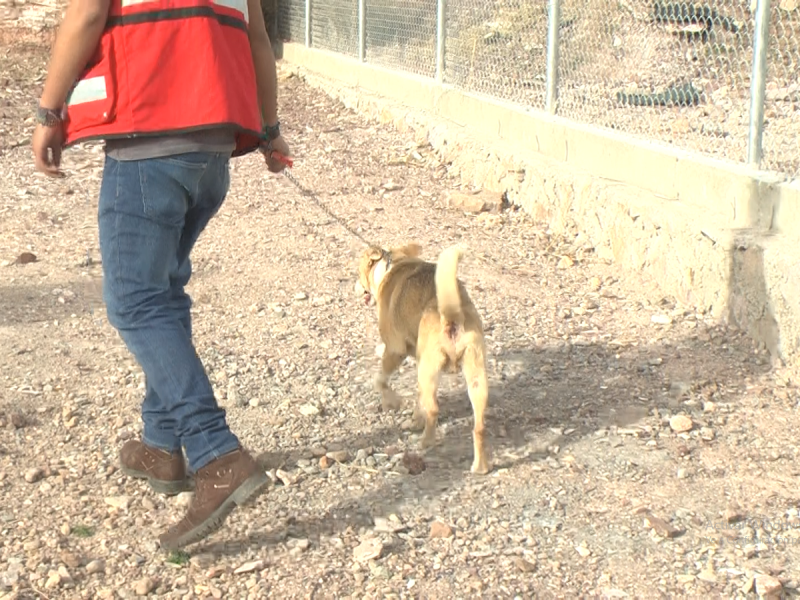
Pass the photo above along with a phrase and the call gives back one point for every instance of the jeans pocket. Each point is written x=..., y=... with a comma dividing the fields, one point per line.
x=195, y=161
x=169, y=188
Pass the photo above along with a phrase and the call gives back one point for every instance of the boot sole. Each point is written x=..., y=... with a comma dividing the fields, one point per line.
x=248, y=491
x=160, y=486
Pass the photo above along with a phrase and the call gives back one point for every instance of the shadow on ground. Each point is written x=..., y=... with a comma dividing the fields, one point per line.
x=542, y=399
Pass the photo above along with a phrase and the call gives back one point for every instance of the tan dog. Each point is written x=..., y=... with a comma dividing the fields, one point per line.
x=424, y=311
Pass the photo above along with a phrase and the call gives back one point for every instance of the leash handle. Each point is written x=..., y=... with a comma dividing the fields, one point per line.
x=280, y=157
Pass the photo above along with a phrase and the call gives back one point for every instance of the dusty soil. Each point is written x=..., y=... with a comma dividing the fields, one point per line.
x=639, y=449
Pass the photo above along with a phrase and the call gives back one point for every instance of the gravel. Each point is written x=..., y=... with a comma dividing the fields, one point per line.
x=640, y=448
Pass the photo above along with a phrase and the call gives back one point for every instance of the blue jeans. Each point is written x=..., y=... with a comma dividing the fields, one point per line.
x=150, y=214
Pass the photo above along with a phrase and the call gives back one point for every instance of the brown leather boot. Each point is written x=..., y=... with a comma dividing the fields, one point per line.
x=226, y=482
x=165, y=472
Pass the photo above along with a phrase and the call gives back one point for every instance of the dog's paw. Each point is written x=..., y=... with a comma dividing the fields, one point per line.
x=390, y=400
x=428, y=439
x=480, y=467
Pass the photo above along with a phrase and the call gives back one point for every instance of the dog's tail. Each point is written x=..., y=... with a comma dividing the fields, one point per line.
x=448, y=294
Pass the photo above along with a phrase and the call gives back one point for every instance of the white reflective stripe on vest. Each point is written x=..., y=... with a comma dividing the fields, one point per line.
x=88, y=90
x=239, y=5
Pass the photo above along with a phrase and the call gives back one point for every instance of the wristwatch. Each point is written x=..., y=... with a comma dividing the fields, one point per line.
x=272, y=131
x=48, y=117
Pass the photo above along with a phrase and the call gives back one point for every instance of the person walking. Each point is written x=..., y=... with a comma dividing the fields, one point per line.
x=175, y=89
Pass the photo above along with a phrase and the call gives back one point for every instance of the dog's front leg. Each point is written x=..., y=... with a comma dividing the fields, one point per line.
x=390, y=361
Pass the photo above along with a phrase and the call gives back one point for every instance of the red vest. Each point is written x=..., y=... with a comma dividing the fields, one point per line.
x=168, y=66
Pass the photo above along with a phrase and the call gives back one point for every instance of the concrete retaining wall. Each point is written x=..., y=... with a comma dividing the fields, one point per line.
x=715, y=235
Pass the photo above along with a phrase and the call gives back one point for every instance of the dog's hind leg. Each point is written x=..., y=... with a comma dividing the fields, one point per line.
x=429, y=367
x=390, y=361
x=474, y=368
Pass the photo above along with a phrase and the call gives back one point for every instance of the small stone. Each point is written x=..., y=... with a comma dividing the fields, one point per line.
x=583, y=551
x=148, y=504
x=34, y=474
x=472, y=203
x=119, y=502
x=324, y=462
x=565, y=263
x=95, y=566
x=299, y=546
x=25, y=258
x=707, y=575
x=384, y=525
x=301, y=296
x=595, y=283
x=286, y=478
x=440, y=530
x=767, y=585
x=733, y=514
x=367, y=550
x=64, y=574
x=70, y=559
x=414, y=463
x=53, y=580
x=660, y=319
x=249, y=567
x=707, y=434
x=685, y=578
x=144, y=586
x=680, y=423
x=184, y=499
x=660, y=526
x=524, y=565
x=308, y=410
x=338, y=455
x=202, y=561
x=254, y=403
x=18, y=420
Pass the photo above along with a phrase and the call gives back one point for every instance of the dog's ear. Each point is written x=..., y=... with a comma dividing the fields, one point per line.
x=412, y=250
x=374, y=254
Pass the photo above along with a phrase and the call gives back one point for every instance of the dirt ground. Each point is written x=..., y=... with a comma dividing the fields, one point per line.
x=639, y=448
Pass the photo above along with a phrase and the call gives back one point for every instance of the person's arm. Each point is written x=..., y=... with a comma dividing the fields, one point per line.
x=264, y=63
x=76, y=42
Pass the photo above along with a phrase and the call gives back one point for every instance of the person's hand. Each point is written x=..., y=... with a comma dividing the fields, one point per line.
x=47, y=142
x=280, y=146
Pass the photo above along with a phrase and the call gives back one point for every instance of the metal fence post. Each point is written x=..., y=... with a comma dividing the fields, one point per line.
x=308, y=23
x=758, y=83
x=362, y=30
x=553, y=25
x=441, y=33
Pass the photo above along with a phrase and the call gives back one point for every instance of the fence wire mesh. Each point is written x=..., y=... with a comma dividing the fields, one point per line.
x=334, y=26
x=402, y=35
x=782, y=104
x=668, y=70
x=498, y=48
x=292, y=20
x=675, y=72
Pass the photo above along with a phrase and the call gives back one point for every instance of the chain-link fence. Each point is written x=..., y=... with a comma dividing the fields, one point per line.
x=673, y=71
x=402, y=35
x=334, y=26
x=782, y=101
x=498, y=48
x=669, y=71
x=292, y=20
